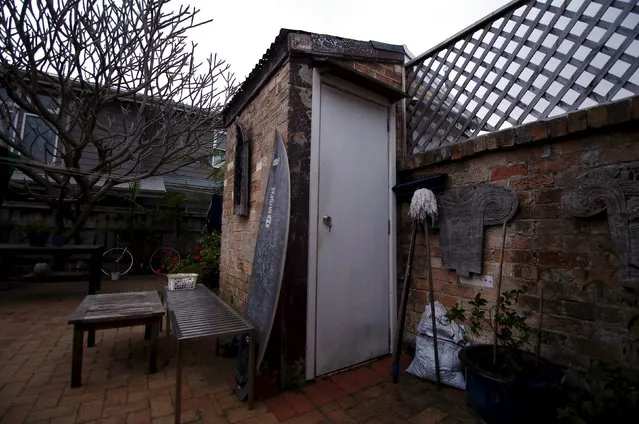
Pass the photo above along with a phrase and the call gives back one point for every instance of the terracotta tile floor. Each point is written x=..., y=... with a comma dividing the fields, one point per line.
x=35, y=363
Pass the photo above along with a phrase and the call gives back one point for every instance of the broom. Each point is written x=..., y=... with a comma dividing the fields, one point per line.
x=423, y=205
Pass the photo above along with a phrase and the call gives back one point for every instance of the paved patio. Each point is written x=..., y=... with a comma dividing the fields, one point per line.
x=35, y=363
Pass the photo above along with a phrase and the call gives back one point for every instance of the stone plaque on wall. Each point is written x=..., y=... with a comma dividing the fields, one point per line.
x=464, y=211
x=615, y=190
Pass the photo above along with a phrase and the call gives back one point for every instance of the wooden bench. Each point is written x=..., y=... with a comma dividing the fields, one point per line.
x=197, y=314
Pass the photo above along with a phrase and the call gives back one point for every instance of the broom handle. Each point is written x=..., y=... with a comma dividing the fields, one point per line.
x=539, y=324
x=498, y=301
x=432, y=303
x=402, y=305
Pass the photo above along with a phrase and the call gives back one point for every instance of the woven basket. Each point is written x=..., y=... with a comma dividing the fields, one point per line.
x=182, y=281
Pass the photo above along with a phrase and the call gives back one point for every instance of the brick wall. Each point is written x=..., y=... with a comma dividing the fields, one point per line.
x=388, y=73
x=266, y=112
x=543, y=244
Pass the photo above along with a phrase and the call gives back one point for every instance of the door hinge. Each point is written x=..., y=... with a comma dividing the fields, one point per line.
x=389, y=227
x=387, y=124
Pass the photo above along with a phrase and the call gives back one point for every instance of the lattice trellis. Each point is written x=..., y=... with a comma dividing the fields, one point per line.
x=528, y=61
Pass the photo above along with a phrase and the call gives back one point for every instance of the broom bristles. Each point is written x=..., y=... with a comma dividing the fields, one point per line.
x=423, y=205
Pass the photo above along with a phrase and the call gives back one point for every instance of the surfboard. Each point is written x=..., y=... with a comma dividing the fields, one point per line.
x=268, y=261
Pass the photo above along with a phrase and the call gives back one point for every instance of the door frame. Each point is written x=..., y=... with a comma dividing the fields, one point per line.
x=311, y=309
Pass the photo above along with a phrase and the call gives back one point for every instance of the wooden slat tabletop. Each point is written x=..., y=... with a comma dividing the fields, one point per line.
x=109, y=307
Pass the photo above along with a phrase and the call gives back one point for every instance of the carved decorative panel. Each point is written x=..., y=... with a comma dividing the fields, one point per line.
x=464, y=211
x=615, y=190
x=242, y=180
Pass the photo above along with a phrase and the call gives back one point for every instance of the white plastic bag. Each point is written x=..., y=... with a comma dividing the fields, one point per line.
x=450, y=339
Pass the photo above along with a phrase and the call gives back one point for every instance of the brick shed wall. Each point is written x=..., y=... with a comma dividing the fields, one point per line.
x=266, y=112
x=543, y=243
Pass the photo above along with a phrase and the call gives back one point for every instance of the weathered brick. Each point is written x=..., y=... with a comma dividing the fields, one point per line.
x=575, y=243
x=558, y=126
x=547, y=242
x=115, y=396
x=550, y=226
x=539, y=130
x=562, y=259
x=579, y=310
x=567, y=325
x=491, y=141
x=547, y=196
x=525, y=197
x=522, y=227
x=525, y=272
x=160, y=406
x=508, y=171
x=635, y=107
x=547, y=211
x=618, y=154
x=523, y=154
x=598, y=116
x=517, y=241
x=91, y=410
x=525, y=211
x=535, y=182
x=554, y=164
x=523, y=134
x=50, y=413
x=619, y=112
x=280, y=408
x=518, y=256
x=578, y=121
x=506, y=137
x=480, y=144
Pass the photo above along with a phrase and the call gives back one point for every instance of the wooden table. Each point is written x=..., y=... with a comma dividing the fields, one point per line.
x=115, y=310
x=198, y=314
x=7, y=251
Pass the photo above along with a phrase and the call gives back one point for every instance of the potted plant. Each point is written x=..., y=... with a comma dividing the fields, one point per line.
x=504, y=382
x=6, y=227
x=36, y=233
x=208, y=254
x=203, y=260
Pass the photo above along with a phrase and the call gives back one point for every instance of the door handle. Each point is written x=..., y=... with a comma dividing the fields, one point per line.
x=328, y=221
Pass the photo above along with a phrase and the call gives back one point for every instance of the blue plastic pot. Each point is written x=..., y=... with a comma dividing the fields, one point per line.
x=58, y=241
x=37, y=239
x=532, y=398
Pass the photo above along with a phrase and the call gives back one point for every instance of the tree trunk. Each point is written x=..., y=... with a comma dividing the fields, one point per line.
x=80, y=219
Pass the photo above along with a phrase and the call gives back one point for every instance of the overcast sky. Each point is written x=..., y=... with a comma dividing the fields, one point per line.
x=243, y=30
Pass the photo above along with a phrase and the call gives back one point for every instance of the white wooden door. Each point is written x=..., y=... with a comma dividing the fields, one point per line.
x=352, y=299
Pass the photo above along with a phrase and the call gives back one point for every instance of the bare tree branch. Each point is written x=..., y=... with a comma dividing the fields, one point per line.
x=116, y=82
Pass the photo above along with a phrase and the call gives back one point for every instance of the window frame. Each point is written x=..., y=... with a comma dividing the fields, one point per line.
x=23, y=127
x=19, y=113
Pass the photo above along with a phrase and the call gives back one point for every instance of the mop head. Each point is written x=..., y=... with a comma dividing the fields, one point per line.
x=423, y=205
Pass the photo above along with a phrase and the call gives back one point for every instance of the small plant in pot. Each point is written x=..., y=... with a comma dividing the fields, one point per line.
x=36, y=233
x=504, y=382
